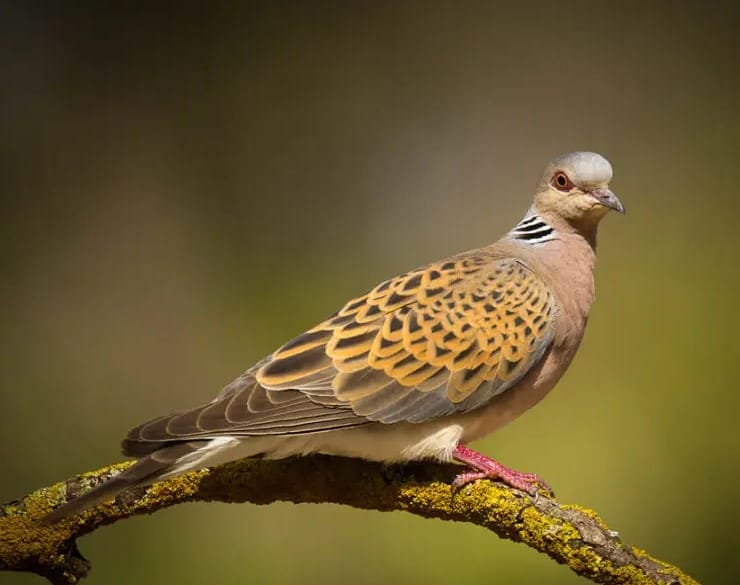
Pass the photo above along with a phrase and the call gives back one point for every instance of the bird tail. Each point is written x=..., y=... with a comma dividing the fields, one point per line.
x=172, y=459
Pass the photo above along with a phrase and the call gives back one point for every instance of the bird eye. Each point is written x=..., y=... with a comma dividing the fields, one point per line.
x=561, y=181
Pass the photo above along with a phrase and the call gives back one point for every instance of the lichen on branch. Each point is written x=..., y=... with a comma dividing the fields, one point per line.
x=568, y=534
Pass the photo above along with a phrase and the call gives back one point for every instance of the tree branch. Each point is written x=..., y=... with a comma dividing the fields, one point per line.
x=570, y=535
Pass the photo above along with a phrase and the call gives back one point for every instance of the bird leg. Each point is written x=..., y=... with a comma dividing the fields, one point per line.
x=482, y=467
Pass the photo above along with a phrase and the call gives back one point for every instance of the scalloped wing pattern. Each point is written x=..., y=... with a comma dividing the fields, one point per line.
x=439, y=340
x=442, y=339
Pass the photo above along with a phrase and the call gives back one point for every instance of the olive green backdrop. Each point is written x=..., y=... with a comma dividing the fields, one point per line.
x=183, y=189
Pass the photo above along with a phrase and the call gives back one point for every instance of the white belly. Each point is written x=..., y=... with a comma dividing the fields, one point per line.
x=434, y=439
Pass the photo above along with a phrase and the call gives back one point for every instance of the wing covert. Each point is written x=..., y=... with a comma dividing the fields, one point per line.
x=442, y=339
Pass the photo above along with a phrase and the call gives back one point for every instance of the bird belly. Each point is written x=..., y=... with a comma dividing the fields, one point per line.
x=517, y=400
x=435, y=439
x=373, y=442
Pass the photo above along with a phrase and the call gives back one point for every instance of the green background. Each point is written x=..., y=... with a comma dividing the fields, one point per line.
x=184, y=189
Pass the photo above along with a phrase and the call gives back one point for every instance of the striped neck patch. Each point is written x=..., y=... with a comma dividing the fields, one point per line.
x=533, y=230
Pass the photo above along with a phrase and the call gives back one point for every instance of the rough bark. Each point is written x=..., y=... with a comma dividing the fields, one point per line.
x=568, y=534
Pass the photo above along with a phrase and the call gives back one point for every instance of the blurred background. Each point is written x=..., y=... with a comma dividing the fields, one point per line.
x=183, y=189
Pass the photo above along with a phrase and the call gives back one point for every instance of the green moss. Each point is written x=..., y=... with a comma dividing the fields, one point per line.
x=543, y=531
x=26, y=544
x=434, y=496
x=177, y=489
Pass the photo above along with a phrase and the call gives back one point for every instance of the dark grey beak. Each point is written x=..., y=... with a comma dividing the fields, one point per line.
x=608, y=199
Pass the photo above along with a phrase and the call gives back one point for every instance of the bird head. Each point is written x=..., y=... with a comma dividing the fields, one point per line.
x=575, y=187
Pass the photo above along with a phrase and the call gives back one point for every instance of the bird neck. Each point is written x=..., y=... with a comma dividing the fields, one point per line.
x=533, y=229
x=564, y=256
x=538, y=227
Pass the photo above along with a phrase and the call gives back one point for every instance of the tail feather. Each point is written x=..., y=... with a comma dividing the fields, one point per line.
x=169, y=460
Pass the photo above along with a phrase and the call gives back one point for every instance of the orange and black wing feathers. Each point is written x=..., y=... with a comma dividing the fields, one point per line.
x=438, y=340
x=442, y=339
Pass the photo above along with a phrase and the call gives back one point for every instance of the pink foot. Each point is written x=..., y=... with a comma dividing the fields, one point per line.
x=484, y=468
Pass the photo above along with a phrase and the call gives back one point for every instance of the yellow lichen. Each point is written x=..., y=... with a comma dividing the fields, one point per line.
x=25, y=543
x=587, y=512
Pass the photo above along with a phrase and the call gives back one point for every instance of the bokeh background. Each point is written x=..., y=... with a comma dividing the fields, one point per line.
x=183, y=189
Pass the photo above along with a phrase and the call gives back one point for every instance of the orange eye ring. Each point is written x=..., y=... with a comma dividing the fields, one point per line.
x=561, y=181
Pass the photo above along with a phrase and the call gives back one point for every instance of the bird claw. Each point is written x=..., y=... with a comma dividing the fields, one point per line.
x=526, y=482
x=483, y=467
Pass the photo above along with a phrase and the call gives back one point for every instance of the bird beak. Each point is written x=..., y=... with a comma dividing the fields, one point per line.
x=608, y=199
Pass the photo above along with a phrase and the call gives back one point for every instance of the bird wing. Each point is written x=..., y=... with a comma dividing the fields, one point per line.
x=442, y=339
x=439, y=340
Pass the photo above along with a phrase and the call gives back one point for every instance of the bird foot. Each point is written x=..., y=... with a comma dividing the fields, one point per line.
x=483, y=467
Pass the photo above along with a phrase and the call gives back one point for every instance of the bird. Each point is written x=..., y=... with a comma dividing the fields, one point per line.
x=416, y=368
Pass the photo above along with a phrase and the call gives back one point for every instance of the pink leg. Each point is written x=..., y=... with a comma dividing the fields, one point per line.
x=483, y=467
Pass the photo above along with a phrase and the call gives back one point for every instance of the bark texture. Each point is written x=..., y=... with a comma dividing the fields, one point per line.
x=568, y=534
